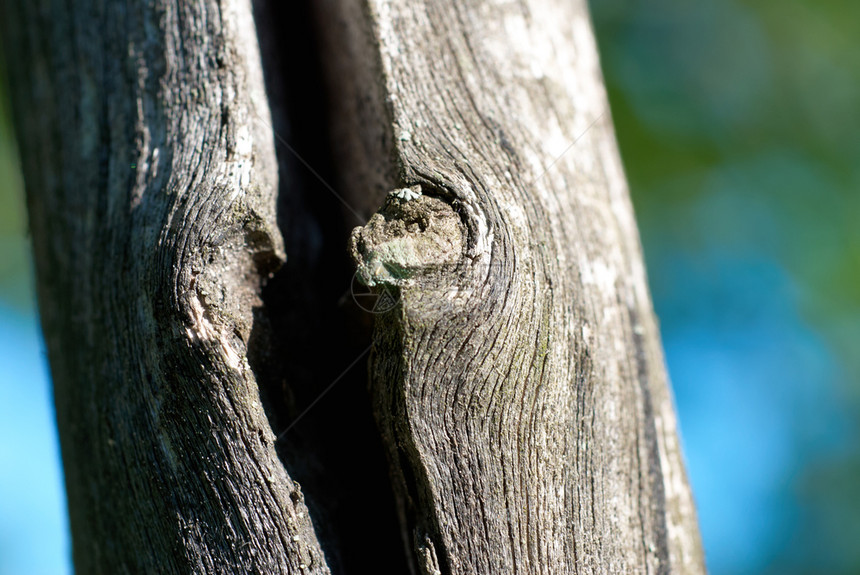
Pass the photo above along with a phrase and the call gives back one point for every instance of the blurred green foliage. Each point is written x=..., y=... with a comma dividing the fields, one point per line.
x=754, y=106
x=15, y=285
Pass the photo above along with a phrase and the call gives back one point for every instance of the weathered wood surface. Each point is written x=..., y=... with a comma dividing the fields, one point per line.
x=520, y=383
x=151, y=182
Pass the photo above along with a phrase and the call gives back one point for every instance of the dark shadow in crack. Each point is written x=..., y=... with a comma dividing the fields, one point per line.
x=310, y=329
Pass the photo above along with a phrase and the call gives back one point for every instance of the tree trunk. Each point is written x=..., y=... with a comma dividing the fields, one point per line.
x=151, y=191
x=516, y=373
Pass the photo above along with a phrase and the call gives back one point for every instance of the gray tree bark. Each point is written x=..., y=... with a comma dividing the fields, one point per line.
x=518, y=379
x=151, y=193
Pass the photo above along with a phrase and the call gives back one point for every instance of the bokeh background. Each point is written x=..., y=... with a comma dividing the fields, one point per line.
x=738, y=123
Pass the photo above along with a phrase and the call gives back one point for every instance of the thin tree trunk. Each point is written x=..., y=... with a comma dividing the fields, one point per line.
x=517, y=380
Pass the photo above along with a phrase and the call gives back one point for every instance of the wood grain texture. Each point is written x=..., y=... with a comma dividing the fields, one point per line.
x=519, y=383
x=151, y=182
x=521, y=389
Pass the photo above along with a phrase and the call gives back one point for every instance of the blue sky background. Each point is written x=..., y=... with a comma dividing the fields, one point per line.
x=738, y=125
x=34, y=537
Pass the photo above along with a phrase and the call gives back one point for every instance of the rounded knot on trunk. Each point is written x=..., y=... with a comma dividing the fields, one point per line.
x=413, y=234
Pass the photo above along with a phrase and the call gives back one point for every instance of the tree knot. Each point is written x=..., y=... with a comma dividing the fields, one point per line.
x=411, y=235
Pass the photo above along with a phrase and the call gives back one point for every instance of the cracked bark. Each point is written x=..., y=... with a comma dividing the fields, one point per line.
x=518, y=384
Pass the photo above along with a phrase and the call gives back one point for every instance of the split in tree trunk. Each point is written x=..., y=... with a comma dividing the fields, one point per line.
x=516, y=373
